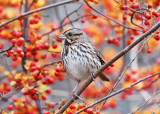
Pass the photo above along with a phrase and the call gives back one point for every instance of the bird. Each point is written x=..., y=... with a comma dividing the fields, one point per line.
x=80, y=58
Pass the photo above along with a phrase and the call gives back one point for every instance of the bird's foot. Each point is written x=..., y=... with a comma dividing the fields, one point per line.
x=75, y=97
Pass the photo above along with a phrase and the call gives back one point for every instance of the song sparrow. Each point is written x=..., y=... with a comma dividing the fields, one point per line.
x=80, y=58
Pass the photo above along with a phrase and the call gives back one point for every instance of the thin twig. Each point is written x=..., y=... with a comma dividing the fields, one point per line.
x=7, y=49
x=63, y=25
x=120, y=54
x=156, y=108
x=125, y=69
x=37, y=10
x=146, y=102
x=50, y=64
x=118, y=91
x=69, y=15
x=108, y=17
x=65, y=7
x=31, y=4
x=141, y=15
x=150, y=84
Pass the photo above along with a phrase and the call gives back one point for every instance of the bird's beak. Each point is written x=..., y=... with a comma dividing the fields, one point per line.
x=61, y=36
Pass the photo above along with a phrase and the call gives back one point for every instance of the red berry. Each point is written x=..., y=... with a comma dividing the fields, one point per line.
x=28, y=48
x=39, y=37
x=82, y=20
x=157, y=32
x=52, y=104
x=32, y=69
x=14, y=58
x=58, y=69
x=21, y=40
x=36, y=20
x=54, y=54
x=18, y=50
x=46, y=46
x=43, y=56
x=38, y=67
x=112, y=65
x=148, y=16
x=94, y=16
x=113, y=105
x=6, y=26
x=21, y=54
x=157, y=37
x=72, y=106
x=53, y=28
x=54, y=45
x=13, y=41
x=5, y=82
x=123, y=7
x=70, y=112
x=10, y=52
x=10, y=107
x=89, y=111
x=34, y=97
x=33, y=64
x=123, y=95
x=116, y=42
x=57, y=74
x=132, y=37
x=149, y=6
x=129, y=13
x=136, y=5
x=109, y=41
x=46, y=112
x=124, y=17
x=28, y=54
x=146, y=22
x=31, y=22
x=149, y=50
x=7, y=55
x=59, y=40
x=127, y=78
x=144, y=30
x=44, y=97
x=51, y=80
x=155, y=13
x=48, y=91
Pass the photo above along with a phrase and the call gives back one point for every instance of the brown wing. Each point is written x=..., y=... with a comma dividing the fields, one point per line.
x=102, y=75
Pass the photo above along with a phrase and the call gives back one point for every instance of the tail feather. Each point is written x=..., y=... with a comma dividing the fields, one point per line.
x=104, y=77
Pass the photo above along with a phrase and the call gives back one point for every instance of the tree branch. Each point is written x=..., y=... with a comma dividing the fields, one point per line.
x=36, y=10
x=120, y=54
x=7, y=49
x=119, y=91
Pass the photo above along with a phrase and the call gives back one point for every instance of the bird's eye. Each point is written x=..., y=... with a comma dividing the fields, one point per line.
x=70, y=34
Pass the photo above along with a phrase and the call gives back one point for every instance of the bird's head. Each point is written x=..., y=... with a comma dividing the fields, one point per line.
x=74, y=35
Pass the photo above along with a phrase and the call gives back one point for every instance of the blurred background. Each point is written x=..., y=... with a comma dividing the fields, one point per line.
x=29, y=85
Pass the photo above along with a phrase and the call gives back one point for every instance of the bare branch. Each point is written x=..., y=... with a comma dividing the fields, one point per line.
x=63, y=25
x=7, y=49
x=50, y=64
x=119, y=91
x=146, y=102
x=156, y=108
x=37, y=10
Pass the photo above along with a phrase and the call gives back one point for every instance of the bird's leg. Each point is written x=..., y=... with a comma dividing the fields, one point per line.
x=75, y=88
x=74, y=95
